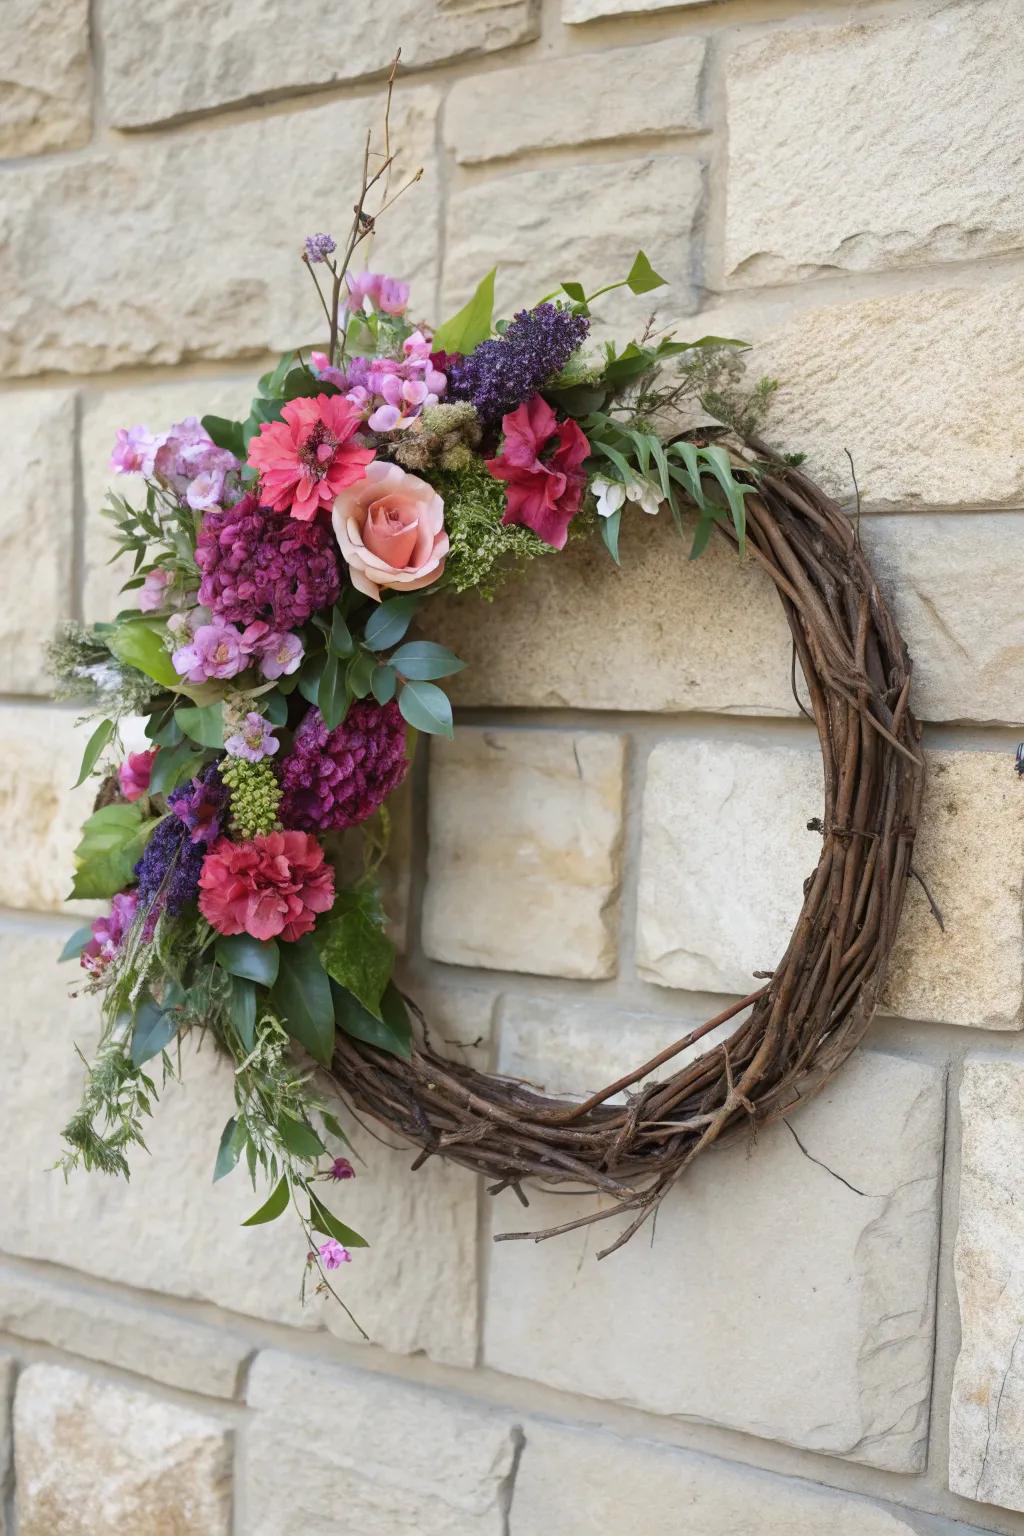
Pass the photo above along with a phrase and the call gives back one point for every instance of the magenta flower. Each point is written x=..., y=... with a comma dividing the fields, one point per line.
x=265, y=565
x=108, y=933
x=153, y=592
x=361, y=286
x=216, y=650
x=333, y=1254
x=336, y=779
x=253, y=740
x=135, y=773
x=279, y=654
x=340, y=1169
x=134, y=451
x=393, y=296
x=321, y=366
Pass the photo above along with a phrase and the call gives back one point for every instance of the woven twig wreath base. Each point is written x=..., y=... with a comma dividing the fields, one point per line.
x=812, y=1012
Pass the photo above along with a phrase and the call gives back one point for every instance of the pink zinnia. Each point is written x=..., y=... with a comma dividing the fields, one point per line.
x=306, y=459
x=269, y=887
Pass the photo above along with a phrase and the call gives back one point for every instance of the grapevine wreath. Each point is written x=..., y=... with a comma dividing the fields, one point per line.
x=279, y=566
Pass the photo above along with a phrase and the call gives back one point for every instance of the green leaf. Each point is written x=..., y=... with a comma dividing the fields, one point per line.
x=642, y=276
x=332, y=693
x=302, y=997
x=341, y=641
x=578, y=400
x=154, y=1030
x=243, y=1010
x=272, y=1208
x=359, y=676
x=576, y=292
x=300, y=1138
x=472, y=324
x=272, y=384
x=112, y=843
x=172, y=766
x=391, y=1032
x=720, y=464
x=93, y=747
x=334, y=1128
x=205, y=725
x=427, y=708
x=309, y=677
x=226, y=434
x=610, y=534
x=275, y=707
x=388, y=623
x=424, y=659
x=256, y=959
x=383, y=684
x=232, y=1140
x=141, y=646
x=355, y=951
x=627, y=474
x=324, y=1221
x=75, y=944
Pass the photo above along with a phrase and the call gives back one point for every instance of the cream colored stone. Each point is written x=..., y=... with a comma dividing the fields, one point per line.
x=93, y=1459
x=675, y=1310
x=139, y=1338
x=970, y=853
x=44, y=75
x=328, y=1443
x=171, y=262
x=986, y=1428
x=858, y=185
x=40, y=814
x=525, y=847
x=161, y=66
x=197, y=1248
x=576, y=1481
x=617, y=208
x=7, y=1373
x=655, y=90
x=158, y=407
x=37, y=531
x=576, y=11
x=459, y=1018
x=659, y=632
x=725, y=852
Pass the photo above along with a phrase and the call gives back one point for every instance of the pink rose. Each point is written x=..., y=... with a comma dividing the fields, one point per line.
x=390, y=526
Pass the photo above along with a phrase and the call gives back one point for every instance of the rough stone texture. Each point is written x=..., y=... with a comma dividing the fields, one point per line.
x=578, y=1481
x=970, y=852
x=7, y=1373
x=850, y=194
x=935, y=426
x=507, y=223
x=725, y=852
x=656, y=89
x=852, y=1285
x=390, y=1458
x=160, y=65
x=525, y=845
x=171, y=226
x=575, y=11
x=36, y=530
x=156, y=406
x=93, y=1459
x=414, y=1289
x=137, y=1338
x=987, y=1411
x=44, y=75
x=40, y=815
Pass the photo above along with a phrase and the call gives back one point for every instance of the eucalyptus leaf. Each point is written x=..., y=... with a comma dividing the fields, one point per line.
x=75, y=944
x=359, y=676
x=232, y=1140
x=424, y=659
x=272, y=1208
x=93, y=747
x=388, y=623
x=427, y=708
x=153, y=1032
x=383, y=684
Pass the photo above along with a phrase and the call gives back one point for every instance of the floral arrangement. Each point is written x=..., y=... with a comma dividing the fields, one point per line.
x=279, y=657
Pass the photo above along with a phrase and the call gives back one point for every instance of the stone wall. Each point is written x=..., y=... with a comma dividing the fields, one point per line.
x=823, y=1334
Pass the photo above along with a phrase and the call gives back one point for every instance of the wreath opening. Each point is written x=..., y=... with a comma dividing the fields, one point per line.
x=280, y=563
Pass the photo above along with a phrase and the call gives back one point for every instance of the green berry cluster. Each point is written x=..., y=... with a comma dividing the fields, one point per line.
x=255, y=796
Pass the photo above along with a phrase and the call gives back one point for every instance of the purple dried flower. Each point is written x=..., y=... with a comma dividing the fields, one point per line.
x=335, y=779
x=319, y=247
x=257, y=564
x=168, y=872
x=499, y=375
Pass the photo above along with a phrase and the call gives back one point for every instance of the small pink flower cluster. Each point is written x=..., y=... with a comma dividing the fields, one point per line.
x=384, y=293
x=108, y=933
x=213, y=648
x=185, y=459
x=390, y=394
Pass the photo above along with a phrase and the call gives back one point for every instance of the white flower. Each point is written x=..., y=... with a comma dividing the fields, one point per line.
x=646, y=496
x=610, y=495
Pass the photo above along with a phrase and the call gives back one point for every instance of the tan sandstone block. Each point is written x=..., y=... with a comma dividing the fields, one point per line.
x=140, y=1338
x=40, y=814
x=576, y=11
x=575, y=1481
x=388, y=1457
x=37, y=531
x=45, y=91
x=986, y=1430
x=7, y=1373
x=93, y=1459
x=525, y=848
x=858, y=188
x=160, y=65
x=617, y=209
x=172, y=261
x=675, y=1310
x=656, y=89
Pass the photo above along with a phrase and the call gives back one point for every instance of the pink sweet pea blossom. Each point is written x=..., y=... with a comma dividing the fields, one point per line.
x=134, y=451
x=206, y=490
x=333, y=1254
x=393, y=296
x=135, y=772
x=108, y=933
x=153, y=592
x=362, y=286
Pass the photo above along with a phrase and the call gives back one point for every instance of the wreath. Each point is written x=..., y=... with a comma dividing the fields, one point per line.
x=279, y=565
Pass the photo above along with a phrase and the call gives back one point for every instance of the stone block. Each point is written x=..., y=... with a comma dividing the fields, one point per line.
x=93, y=1459
x=40, y=814
x=576, y=11
x=525, y=851
x=45, y=89
x=814, y=1266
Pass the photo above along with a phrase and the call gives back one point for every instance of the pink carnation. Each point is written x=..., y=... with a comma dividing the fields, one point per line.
x=135, y=773
x=306, y=459
x=271, y=887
